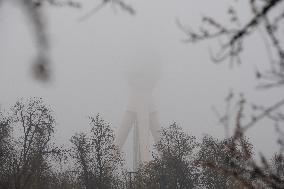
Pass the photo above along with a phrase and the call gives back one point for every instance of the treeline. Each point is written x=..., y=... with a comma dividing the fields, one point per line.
x=29, y=158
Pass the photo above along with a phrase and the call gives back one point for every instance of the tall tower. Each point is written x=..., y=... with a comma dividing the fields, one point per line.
x=141, y=113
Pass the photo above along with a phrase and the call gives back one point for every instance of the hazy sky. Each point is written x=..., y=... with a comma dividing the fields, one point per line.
x=89, y=58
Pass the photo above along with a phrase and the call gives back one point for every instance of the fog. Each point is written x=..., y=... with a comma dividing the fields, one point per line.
x=95, y=63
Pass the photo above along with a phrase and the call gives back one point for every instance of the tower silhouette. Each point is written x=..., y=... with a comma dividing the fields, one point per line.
x=141, y=113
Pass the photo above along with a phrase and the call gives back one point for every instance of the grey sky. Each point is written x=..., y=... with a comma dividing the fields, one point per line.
x=88, y=60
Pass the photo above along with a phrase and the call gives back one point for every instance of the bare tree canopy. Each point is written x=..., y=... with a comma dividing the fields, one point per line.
x=30, y=146
x=97, y=157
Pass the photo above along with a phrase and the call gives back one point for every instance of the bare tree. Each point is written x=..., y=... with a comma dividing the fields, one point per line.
x=278, y=165
x=220, y=156
x=5, y=149
x=267, y=16
x=173, y=165
x=261, y=172
x=96, y=155
x=33, y=127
